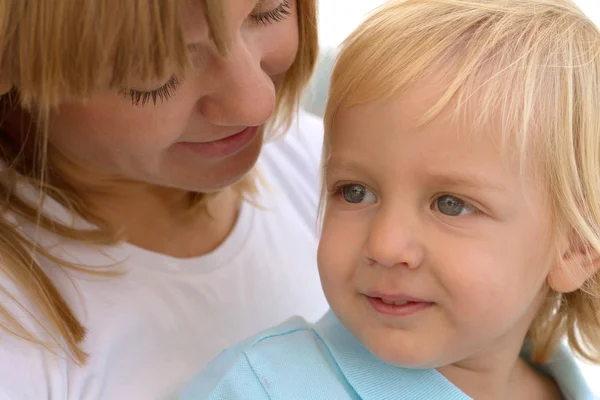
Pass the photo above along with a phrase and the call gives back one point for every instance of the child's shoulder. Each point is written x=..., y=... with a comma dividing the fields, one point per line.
x=289, y=359
x=297, y=360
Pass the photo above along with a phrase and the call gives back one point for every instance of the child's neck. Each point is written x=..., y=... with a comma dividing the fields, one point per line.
x=495, y=378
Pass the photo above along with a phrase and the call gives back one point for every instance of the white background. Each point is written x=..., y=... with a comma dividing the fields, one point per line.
x=337, y=18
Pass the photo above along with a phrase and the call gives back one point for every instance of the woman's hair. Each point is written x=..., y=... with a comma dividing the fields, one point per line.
x=534, y=65
x=57, y=50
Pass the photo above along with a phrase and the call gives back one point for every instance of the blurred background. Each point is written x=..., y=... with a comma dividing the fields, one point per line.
x=337, y=18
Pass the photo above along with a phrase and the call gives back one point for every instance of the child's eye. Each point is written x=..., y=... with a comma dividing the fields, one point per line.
x=453, y=206
x=355, y=194
x=163, y=93
x=279, y=13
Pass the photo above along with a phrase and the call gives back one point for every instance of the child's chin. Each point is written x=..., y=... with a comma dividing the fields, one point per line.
x=407, y=358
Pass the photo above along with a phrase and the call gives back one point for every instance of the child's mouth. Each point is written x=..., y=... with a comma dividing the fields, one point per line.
x=397, y=308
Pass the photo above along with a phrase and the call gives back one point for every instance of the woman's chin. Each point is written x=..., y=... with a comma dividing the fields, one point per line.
x=216, y=175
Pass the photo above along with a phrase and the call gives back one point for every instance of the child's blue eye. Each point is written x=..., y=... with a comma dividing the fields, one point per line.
x=356, y=194
x=453, y=206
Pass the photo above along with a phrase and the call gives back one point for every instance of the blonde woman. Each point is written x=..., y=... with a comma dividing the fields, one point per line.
x=461, y=226
x=138, y=238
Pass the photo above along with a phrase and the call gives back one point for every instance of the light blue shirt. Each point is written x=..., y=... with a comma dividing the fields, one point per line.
x=297, y=360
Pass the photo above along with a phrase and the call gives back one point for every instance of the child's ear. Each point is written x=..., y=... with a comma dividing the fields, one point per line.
x=575, y=264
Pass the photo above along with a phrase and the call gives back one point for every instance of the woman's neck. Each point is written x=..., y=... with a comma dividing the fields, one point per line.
x=160, y=219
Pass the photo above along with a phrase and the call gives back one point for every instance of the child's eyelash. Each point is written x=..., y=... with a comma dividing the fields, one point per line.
x=335, y=190
x=163, y=93
x=278, y=14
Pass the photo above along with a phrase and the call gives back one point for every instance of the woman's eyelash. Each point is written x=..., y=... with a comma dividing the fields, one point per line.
x=278, y=14
x=163, y=93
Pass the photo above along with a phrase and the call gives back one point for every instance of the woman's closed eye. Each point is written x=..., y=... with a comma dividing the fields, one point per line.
x=166, y=91
x=274, y=15
x=161, y=94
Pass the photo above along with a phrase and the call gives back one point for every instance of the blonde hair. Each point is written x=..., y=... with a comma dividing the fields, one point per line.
x=57, y=50
x=537, y=64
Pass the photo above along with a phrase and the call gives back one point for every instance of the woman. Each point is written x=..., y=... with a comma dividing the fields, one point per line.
x=138, y=239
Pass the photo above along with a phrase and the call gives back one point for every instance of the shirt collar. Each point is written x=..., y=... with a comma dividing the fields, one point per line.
x=373, y=379
x=376, y=380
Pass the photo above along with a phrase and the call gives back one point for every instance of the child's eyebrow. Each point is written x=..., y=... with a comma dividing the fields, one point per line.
x=336, y=166
x=475, y=181
x=441, y=178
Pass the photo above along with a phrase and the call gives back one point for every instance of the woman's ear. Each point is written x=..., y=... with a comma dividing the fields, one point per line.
x=575, y=264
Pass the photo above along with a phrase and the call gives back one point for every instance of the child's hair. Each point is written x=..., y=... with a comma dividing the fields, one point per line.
x=57, y=50
x=536, y=64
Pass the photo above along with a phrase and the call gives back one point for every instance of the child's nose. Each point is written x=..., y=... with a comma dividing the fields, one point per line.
x=394, y=240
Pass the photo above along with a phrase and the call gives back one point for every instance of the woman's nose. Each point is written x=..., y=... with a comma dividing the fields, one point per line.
x=393, y=240
x=240, y=92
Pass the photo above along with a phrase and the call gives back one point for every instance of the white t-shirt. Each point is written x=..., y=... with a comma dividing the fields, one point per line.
x=153, y=328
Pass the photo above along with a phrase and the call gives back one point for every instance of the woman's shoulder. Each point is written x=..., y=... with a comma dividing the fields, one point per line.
x=28, y=369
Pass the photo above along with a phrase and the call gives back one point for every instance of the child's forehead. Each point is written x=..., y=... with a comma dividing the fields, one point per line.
x=373, y=144
x=410, y=109
x=394, y=124
x=397, y=122
x=471, y=110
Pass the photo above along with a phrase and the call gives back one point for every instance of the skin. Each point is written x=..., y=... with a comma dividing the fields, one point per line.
x=483, y=266
x=132, y=156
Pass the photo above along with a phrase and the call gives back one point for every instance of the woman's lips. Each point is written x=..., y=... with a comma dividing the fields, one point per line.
x=223, y=147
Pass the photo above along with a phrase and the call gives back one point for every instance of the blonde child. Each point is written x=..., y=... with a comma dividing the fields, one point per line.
x=461, y=228
x=133, y=223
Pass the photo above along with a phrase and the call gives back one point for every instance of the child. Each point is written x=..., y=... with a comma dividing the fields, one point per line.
x=462, y=214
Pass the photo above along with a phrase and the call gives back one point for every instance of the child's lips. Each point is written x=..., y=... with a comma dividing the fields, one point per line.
x=395, y=297
x=396, y=304
x=397, y=308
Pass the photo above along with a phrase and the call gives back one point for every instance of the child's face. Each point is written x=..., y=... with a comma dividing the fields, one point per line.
x=441, y=217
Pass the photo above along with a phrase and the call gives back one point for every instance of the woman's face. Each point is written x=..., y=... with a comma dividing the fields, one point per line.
x=201, y=132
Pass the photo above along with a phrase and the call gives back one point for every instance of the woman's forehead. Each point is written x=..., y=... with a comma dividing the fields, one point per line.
x=201, y=18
